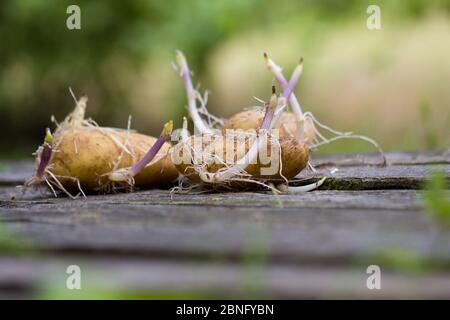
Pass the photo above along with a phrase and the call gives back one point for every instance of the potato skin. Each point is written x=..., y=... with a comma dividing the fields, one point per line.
x=294, y=157
x=252, y=119
x=89, y=154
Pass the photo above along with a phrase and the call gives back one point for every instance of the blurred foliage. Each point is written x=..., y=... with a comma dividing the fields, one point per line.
x=430, y=136
x=406, y=260
x=401, y=259
x=437, y=198
x=93, y=289
x=121, y=57
x=253, y=264
x=255, y=257
x=13, y=243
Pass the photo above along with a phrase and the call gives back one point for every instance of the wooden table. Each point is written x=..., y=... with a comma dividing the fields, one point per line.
x=157, y=244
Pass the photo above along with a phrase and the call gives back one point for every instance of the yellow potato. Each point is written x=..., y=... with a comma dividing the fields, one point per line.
x=89, y=154
x=287, y=124
x=294, y=156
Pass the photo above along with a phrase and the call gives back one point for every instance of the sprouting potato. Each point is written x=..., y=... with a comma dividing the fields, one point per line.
x=287, y=125
x=80, y=157
x=89, y=154
x=263, y=146
x=281, y=118
x=205, y=158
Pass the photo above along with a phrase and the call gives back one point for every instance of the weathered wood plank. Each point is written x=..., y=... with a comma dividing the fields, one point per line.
x=317, y=226
x=15, y=172
x=375, y=178
x=11, y=197
x=315, y=244
x=116, y=278
x=427, y=157
x=405, y=170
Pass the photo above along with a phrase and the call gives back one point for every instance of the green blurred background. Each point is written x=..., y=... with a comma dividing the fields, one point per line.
x=390, y=84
